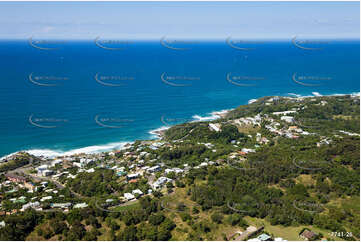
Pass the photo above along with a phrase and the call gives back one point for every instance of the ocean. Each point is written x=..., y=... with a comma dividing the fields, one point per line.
x=64, y=97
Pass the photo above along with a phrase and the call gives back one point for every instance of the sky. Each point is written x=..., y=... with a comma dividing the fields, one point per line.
x=188, y=20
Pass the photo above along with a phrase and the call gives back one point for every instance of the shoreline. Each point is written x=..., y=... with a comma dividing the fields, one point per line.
x=156, y=134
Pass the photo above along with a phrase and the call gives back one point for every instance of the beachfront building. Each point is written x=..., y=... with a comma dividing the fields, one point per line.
x=56, y=162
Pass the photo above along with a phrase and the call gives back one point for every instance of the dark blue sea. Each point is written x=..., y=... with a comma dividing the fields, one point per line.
x=89, y=96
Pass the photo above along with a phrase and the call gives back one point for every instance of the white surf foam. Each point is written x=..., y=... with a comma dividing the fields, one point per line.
x=317, y=94
x=252, y=101
x=155, y=132
x=294, y=94
x=86, y=150
x=213, y=115
x=196, y=118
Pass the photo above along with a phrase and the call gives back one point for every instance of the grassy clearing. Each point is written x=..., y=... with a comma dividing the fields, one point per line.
x=306, y=180
x=287, y=233
x=131, y=205
x=342, y=117
x=183, y=229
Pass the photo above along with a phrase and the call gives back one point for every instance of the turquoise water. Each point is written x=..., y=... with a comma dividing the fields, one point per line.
x=77, y=95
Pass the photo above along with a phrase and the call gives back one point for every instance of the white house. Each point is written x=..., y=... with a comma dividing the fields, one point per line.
x=288, y=119
x=215, y=127
x=133, y=176
x=80, y=205
x=60, y=205
x=284, y=112
x=30, y=205
x=160, y=182
x=245, y=150
x=47, y=172
x=46, y=198
x=128, y=196
x=175, y=170
x=137, y=191
x=55, y=162
x=203, y=164
x=91, y=170
x=154, y=169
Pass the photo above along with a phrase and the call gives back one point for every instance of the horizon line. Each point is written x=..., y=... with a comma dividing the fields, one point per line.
x=185, y=39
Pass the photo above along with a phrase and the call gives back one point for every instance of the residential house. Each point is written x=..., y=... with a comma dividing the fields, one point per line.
x=308, y=235
x=137, y=192
x=154, y=169
x=288, y=119
x=60, y=205
x=80, y=205
x=133, y=176
x=160, y=182
x=15, y=178
x=175, y=170
x=129, y=196
x=46, y=198
x=215, y=127
x=264, y=237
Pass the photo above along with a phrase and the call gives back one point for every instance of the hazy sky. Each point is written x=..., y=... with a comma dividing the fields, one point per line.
x=147, y=20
